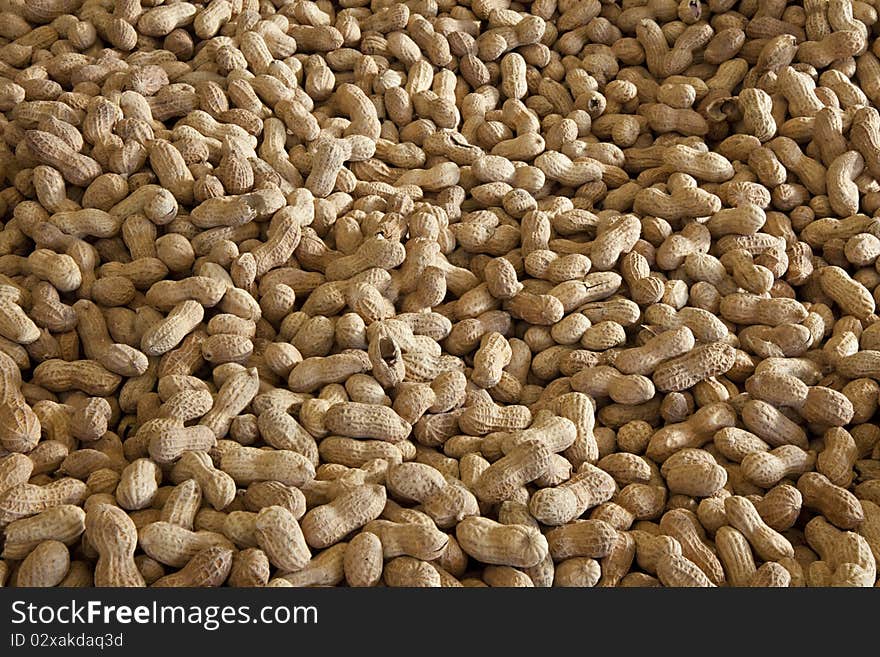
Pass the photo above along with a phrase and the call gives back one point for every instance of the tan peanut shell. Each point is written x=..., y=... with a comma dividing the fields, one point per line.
x=456, y=294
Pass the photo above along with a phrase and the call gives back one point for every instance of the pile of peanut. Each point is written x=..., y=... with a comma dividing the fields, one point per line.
x=439, y=293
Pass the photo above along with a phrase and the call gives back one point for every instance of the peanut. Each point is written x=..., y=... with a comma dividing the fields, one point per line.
x=481, y=293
